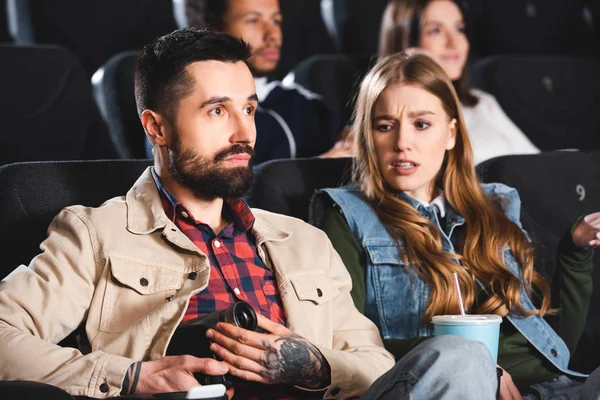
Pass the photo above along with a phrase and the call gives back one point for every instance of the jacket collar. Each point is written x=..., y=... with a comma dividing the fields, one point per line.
x=454, y=218
x=145, y=214
x=267, y=232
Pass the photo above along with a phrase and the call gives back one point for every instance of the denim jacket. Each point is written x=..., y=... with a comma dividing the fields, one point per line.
x=396, y=299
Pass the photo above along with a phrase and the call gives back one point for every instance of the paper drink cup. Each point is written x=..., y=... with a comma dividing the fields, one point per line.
x=484, y=328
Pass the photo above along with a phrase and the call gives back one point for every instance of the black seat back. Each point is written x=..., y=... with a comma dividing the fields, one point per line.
x=4, y=34
x=555, y=101
x=286, y=186
x=304, y=33
x=114, y=92
x=356, y=25
x=333, y=76
x=555, y=189
x=92, y=30
x=47, y=108
x=31, y=194
x=530, y=27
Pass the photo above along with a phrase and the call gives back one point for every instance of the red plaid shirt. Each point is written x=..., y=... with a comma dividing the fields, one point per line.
x=236, y=273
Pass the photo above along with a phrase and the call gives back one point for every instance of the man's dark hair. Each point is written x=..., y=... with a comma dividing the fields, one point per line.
x=160, y=77
x=206, y=13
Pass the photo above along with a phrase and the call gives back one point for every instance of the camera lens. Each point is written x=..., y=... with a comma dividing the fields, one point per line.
x=244, y=316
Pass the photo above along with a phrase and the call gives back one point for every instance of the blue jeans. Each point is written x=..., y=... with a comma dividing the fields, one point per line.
x=565, y=388
x=443, y=367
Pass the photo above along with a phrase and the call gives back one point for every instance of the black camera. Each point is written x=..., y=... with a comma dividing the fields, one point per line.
x=190, y=337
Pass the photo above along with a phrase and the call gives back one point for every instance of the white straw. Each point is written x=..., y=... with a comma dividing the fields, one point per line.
x=460, y=300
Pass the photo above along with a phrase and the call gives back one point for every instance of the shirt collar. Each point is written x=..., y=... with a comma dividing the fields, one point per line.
x=262, y=88
x=238, y=210
x=439, y=203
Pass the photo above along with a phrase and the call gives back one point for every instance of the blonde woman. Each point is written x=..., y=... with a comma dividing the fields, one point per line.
x=417, y=213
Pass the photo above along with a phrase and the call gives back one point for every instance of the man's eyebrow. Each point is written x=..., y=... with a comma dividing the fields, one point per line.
x=215, y=100
x=258, y=14
x=225, y=99
x=249, y=13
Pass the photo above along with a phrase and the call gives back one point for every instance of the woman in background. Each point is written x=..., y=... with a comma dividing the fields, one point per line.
x=437, y=27
x=417, y=213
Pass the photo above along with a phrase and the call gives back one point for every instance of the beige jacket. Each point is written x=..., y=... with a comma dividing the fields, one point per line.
x=90, y=270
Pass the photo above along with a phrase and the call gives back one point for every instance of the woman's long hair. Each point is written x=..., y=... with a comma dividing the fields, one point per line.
x=488, y=231
x=401, y=27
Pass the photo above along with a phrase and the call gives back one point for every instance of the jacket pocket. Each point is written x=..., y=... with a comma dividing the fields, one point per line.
x=316, y=288
x=384, y=254
x=396, y=297
x=135, y=289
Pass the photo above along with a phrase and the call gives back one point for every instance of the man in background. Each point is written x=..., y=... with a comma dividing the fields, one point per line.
x=291, y=121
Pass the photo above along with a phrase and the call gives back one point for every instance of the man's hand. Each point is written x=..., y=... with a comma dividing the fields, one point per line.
x=277, y=357
x=587, y=232
x=508, y=390
x=170, y=374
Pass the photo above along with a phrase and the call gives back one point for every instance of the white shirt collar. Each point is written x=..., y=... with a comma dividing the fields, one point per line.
x=262, y=88
x=439, y=202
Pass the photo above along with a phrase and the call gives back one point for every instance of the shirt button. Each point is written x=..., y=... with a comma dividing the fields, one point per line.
x=335, y=391
x=184, y=214
x=554, y=353
x=170, y=298
x=217, y=244
x=144, y=282
x=319, y=292
x=237, y=291
x=104, y=388
x=192, y=275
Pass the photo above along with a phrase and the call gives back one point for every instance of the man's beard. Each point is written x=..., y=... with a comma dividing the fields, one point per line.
x=261, y=73
x=205, y=178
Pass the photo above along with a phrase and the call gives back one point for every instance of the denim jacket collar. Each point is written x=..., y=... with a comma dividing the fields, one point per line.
x=453, y=217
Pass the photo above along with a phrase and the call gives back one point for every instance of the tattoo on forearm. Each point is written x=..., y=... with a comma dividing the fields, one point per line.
x=297, y=362
x=131, y=379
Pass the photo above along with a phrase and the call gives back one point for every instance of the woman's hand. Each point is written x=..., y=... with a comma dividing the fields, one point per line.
x=587, y=232
x=508, y=390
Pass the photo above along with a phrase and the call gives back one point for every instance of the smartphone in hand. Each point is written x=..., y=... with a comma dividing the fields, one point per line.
x=207, y=392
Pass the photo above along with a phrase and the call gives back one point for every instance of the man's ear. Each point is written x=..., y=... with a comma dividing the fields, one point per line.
x=155, y=126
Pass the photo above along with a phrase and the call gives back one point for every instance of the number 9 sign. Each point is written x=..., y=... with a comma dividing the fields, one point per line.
x=580, y=191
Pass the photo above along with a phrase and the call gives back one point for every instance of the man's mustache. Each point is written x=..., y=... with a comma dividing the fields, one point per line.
x=233, y=150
